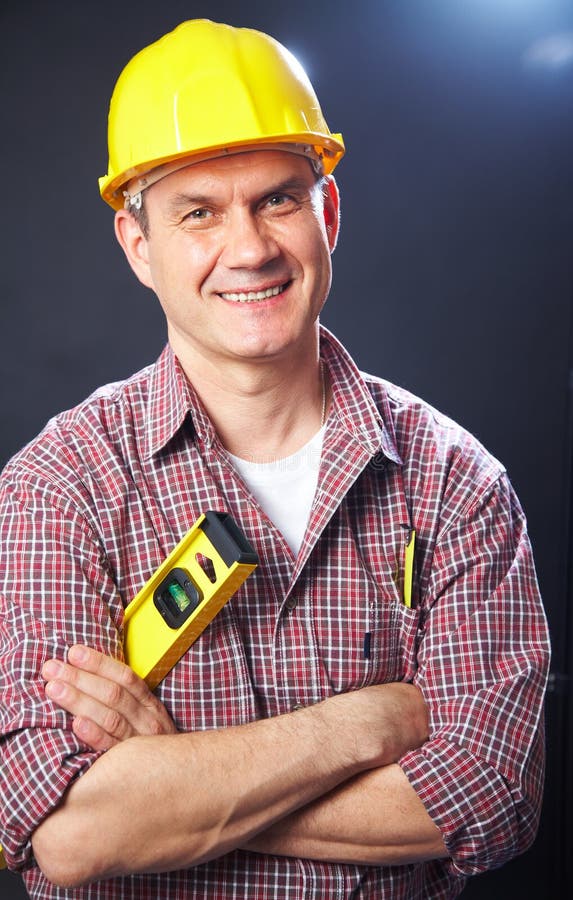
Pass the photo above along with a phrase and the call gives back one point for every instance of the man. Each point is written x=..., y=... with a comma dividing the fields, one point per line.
x=352, y=722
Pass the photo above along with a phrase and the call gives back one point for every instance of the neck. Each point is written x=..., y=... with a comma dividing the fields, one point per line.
x=266, y=409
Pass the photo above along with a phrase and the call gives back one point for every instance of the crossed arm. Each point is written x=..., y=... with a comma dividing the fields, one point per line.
x=317, y=783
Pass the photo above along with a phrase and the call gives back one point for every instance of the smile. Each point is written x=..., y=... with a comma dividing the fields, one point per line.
x=254, y=296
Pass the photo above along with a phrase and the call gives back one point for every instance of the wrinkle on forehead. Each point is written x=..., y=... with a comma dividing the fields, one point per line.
x=244, y=179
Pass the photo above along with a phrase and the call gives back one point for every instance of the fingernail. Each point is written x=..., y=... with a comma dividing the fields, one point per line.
x=78, y=653
x=81, y=726
x=55, y=689
x=52, y=668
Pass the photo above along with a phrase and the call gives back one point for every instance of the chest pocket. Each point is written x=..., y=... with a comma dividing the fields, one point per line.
x=363, y=630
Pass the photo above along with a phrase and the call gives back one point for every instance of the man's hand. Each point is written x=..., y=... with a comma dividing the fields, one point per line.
x=108, y=700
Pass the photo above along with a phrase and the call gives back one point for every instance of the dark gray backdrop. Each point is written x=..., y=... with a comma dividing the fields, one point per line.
x=453, y=272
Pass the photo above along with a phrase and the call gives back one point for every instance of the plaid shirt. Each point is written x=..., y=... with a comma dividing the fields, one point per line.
x=95, y=503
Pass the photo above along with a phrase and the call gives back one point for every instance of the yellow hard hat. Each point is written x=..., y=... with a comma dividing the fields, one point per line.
x=206, y=89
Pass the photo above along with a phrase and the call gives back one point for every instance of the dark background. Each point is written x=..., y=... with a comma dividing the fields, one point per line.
x=453, y=276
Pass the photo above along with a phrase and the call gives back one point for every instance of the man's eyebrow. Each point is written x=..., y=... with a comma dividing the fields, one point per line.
x=181, y=201
x=294, y=185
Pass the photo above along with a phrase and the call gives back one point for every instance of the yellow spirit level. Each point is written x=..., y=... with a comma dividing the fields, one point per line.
x=185, y=593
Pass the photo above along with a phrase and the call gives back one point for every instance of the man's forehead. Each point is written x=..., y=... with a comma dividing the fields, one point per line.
x=250, y=170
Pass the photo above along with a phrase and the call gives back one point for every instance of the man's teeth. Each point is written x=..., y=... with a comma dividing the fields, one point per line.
x=253, y=296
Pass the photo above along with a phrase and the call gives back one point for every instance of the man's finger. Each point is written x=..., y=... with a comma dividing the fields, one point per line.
x=105, y=691
x=107, y=720
x=90, y=733
x=89, y=660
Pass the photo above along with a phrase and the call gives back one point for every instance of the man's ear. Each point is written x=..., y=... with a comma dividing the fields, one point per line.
x=331, y=207
x=134, y=244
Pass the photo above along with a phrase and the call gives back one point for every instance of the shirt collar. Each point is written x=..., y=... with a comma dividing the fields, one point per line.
x=172, y=399
x=369, y=424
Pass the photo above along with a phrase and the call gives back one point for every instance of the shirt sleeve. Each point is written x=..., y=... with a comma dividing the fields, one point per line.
x=55, y=590
x=482, y=668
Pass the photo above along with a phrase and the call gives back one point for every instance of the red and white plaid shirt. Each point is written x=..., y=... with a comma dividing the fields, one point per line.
x=92, y=507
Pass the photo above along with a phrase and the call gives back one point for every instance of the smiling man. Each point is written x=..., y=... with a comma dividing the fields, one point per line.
x=365, y=716
x=238, y=252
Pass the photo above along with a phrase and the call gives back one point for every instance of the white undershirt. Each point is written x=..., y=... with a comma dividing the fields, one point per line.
x=285, y=488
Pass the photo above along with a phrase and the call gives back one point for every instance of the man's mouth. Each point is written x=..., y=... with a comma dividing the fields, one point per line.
x=254, y=296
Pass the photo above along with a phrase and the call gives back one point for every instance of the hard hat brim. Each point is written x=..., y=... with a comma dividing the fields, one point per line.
x=330, y=150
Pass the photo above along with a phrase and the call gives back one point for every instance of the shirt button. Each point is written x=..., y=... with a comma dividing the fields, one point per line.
x=291, y=603
x=297, y=706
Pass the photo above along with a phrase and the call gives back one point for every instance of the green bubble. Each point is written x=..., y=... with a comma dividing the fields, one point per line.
x=179, y=595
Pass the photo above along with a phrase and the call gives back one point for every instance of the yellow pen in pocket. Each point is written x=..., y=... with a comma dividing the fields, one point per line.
x=409, y=566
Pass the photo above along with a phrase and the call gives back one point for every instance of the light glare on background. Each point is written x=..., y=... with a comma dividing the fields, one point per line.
x=553, y=51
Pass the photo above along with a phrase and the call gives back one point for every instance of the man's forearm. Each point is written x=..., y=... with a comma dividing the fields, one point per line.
x=166, y=802
x=375, y=818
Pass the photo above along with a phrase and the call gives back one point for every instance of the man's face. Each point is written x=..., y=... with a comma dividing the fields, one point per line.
x=239, y=255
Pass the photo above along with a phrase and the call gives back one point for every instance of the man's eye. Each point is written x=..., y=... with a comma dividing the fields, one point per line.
x=278, y=200
x=198, y=215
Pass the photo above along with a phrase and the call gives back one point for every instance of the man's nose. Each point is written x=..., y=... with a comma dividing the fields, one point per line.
x=248, y=242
